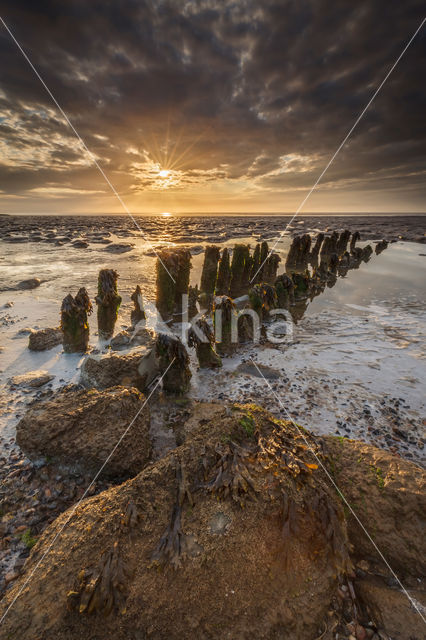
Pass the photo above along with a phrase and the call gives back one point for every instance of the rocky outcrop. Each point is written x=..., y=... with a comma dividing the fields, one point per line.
x=44, y=339
x=389, y=495
x=81, y=428
x=137, y=368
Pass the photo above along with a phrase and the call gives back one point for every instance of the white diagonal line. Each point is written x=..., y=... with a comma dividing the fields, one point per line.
x=75, y=507
x=83, y=144
x=413, y=604
x=342, y=144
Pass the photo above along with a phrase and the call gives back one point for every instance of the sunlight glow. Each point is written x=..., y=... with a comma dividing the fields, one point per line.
x=165, y=214
x=164, y=173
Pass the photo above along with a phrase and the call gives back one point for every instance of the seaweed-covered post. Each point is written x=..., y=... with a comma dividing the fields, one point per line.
x=193, y=296
x=271, y=268
x=255, y=274
x=317, y=246
x=356, y=236
x=209, y=272
x=173, y=363
x=238, y=269
x=182, y=277
x=108, y=302
x=284, y=288
x=74, y=325
x=201, y=336
x=166, y=268
x=342, y=242
x=137, y=314
x=223, y=274
x=301, y=283
x=381, y=246
x=263, y=298
x=225, y=317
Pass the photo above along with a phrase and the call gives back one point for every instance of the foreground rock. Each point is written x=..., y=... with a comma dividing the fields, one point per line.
x=172, y=554
x=31, y=379
x=82, y=427
x=138, y=368
x=45, y=339
x=388, y=494
x=31, y=283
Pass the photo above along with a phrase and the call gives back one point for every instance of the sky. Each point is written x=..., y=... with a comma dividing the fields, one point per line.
x=212, y=106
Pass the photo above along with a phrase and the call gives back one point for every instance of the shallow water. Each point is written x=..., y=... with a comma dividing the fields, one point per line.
x=359, y=342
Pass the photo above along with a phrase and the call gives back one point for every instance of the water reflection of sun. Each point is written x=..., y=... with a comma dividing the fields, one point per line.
x=165, y=214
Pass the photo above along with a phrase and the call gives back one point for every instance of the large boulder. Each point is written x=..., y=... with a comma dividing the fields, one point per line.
x=137, y=368
x=237, y=533
x=45, y=339
x=82, y=427
x=173, y=554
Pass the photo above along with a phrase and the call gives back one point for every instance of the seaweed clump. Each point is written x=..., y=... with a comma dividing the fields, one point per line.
x=173, y=364
x=172, y=544
x=104, y=589
x=108, y=302
x=74, y=324
x=231, y=476
x=201, y=336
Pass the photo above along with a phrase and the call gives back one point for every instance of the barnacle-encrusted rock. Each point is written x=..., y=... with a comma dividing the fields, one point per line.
x=108, y=302
x=173, y=363
x=274, y=571
x=82, y=427
x=45, y=339
x=201, y=336
x=74, y=324
x=209, y=272
x=138, y=313
x=137, y=368
x=223, y=274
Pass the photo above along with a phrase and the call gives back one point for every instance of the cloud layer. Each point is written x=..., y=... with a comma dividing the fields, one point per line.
x=212, y=105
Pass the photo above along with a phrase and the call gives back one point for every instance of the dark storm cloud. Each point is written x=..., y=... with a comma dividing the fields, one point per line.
x=248, y=92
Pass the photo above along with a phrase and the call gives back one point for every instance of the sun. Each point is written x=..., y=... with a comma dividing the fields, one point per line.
x=166, y=214
x=164, y=173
